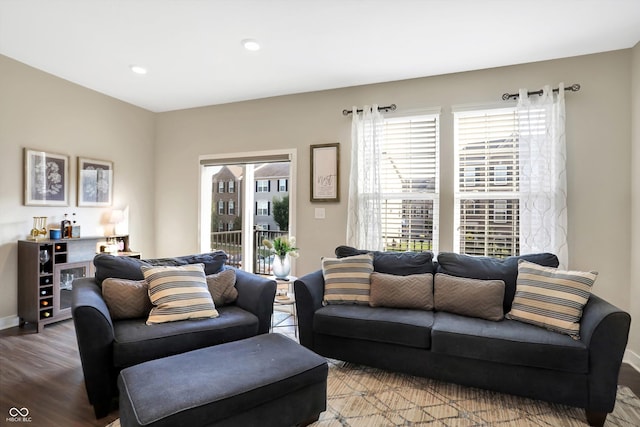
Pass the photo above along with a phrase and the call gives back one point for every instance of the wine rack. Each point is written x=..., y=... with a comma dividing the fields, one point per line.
x=46, y=270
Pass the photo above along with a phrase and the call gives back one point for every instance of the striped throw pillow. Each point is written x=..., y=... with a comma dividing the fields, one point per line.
x=347, y=280
x=551, y=298
x=178, y=293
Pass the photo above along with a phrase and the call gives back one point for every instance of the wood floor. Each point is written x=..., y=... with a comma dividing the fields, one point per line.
x=42, y=372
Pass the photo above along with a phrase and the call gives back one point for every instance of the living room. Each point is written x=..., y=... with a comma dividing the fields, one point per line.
x=156, y=158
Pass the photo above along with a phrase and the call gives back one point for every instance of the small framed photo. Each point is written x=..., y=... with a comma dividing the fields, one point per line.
x=46, y=178
x=325, y=176
x=95, y=182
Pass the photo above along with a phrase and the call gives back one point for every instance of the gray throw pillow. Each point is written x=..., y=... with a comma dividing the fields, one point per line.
x=413, y=291
x=469, y=297
x=489, y=268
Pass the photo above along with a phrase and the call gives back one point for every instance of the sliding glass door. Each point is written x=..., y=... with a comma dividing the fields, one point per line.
x=245, y=199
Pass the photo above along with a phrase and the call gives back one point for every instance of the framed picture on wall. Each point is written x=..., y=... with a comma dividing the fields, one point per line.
x=46, y=178
x=95, y=182
x=325, y=175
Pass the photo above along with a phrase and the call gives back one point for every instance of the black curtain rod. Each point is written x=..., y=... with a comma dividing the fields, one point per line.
x=573, y=88
x=391, y=107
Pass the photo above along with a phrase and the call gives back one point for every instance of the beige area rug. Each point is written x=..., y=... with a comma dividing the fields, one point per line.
x=359, y=396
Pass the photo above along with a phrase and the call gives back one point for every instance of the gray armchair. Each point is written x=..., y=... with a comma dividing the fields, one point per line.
x=107, y=346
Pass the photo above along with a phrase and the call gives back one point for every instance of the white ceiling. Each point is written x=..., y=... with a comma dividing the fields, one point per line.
x=193, y=51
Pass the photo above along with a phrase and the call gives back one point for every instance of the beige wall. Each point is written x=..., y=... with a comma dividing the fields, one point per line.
x=43, y=112
x=634, y=282
x=598, y=139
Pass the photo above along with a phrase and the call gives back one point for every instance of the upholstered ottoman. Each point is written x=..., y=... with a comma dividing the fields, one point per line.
x=267, y=380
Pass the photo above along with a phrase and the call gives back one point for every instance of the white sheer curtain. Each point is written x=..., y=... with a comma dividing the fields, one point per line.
x=543, y=177
x=364, y=229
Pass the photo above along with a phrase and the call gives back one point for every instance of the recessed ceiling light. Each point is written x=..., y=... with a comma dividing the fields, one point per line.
x=251, y=44
x=138, y=69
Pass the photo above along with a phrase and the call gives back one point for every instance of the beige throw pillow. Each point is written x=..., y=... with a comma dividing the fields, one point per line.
x=222, y=287
x=469, y=297
x=347, y=280
x=178, y=293
x=551, y=298
x=126, y=299
x=413, y=291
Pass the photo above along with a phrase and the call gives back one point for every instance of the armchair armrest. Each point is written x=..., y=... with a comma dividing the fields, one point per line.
x=94, y=332
x=256, y=295
x=604, y=328
x=309, y=291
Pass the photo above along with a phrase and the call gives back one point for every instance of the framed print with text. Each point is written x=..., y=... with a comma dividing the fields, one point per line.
x=95, y=182
x=325, y=176
x=46, y=178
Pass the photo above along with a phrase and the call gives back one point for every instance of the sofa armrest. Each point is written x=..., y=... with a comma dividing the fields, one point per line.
x=256, y=295
x=309, y=292
x=604, y=328
x=94, y=332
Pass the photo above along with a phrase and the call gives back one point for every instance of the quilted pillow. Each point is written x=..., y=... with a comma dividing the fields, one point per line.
x=551, y=298
x=347, y=280
x=222, y=287
x=469, y=297
x=178, y=293
x=126, y=299
x=413, y=291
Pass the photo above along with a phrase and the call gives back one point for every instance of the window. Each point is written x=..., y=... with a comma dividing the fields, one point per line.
x=262, y=208
x=231, y=207
x=230, y=226
x=231, y=187
x=262, y=186
x=221, y=187
x=486, y=183
x=409, y=180
x=283, y=185
x=221, y=207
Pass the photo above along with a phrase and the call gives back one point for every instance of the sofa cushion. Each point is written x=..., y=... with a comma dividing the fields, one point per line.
x=398, y=263
x=126, y=299
x=120, y=267
x=347, y=280
x=213, y=261
x=178, y=293
x=406, y=327
x=488, y=268
x=469, y=297
x=135, y=342
x=222, y=287
x=413, y=291
x=509, y=342
x=123, y=267
x=551, y=298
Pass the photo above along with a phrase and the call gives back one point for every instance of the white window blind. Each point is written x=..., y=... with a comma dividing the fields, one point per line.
x=409, y=178
x=486, y=183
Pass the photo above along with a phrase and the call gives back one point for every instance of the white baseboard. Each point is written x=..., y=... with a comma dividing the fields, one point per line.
x=9, y=322
x=632, y=359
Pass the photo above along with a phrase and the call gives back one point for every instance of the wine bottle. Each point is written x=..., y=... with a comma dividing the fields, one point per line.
x=43, y=292
x=65, y=227
x=45, y=303
x=47, y=314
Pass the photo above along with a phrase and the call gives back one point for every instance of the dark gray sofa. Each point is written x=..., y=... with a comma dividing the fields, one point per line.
x=107, y=346
x=506, y=356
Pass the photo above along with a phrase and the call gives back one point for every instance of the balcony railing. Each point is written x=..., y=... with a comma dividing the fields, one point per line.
x=231, y=243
